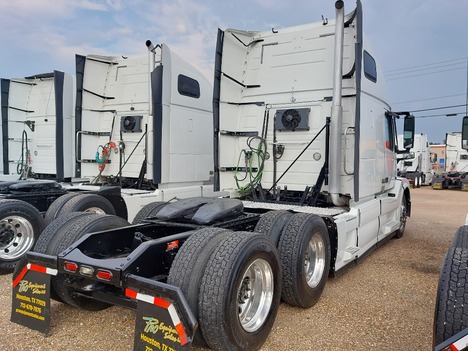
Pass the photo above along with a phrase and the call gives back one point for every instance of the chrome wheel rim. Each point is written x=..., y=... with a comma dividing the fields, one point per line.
x=255, y=295
x=16, y=237
x=314, y=261
x=402, y=214
x=96, y=210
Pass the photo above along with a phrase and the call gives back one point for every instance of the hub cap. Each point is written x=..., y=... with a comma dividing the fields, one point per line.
x=314, y=262
x=255, y=295
x=96, y=210
x=16, y=237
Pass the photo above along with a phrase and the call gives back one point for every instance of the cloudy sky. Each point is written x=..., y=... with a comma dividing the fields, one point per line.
x=422, y=46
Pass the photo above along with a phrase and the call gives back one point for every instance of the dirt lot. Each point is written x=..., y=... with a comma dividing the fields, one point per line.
x=386, y=302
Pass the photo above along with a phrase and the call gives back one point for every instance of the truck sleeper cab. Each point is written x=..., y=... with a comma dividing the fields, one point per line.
x=306, y=146
x=417, y=166
x=37, y=118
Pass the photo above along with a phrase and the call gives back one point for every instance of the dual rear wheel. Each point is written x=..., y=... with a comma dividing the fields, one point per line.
x=234, y=281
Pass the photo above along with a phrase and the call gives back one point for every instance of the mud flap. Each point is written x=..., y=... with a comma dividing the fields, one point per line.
x=437, y=184
x=31, y=295
x=456, y=342
x=163, y=318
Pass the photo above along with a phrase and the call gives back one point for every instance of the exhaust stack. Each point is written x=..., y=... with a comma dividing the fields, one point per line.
x=151, y=66
x=337, y=109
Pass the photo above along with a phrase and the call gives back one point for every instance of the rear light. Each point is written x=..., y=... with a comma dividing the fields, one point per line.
x=104, y=275
x=70, y=267
x=172, y=245
x=86, y=270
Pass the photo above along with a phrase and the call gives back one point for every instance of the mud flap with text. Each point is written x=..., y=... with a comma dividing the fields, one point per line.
x=163, y=319
x=31, y=297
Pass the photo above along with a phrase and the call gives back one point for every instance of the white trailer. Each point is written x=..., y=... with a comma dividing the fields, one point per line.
x=456, y=164
x=306, y=145
x=417, y=166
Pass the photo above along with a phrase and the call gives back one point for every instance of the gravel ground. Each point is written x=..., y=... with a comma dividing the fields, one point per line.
x=386, y=302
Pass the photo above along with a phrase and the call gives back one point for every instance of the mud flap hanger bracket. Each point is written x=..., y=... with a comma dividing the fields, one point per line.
x=167, y=292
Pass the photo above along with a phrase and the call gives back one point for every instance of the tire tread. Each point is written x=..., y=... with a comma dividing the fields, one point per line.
x=451, y=314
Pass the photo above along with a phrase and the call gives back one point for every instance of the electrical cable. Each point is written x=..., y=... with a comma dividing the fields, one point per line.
x=249, y=156
x=425, y=65
x=424, y=74
x=23, y=165
x=437, y=108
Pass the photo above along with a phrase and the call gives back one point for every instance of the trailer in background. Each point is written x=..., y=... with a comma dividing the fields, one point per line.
x=438, y=158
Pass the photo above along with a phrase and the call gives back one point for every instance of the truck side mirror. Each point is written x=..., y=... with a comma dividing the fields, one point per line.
x=408, y=132
x=465, y=133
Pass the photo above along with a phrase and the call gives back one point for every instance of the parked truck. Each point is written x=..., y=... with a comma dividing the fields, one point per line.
x=142, y=133
x=417, y=165
x=38, y=115
x=456, y=165
x=306, y=146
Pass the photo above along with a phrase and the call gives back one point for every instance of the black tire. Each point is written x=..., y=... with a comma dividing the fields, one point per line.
x=272, y=223
x=56, y=206
x=419, y=182
x=403, y=218
x=189, y=265
x=92, y=203
x=149, y=210
x=20, y=226
x=224, y=292
x=43, y=242
x=304, y=240
x=451, y=314
x=461, y=237
x=67, y=234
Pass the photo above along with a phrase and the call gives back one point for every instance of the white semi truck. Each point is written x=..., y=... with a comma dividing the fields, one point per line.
x=456, y=165
x=306, y=146
x=417, y=166
x=38, y=116
x=141, y=133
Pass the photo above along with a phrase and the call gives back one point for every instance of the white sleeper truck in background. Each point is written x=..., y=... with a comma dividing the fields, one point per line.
x=37, y=126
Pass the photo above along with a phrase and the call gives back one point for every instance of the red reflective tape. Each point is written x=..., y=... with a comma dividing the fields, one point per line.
x=183, y=337
x=131, y=293
x=161, y=302
x=37, y=268
x=20, y=276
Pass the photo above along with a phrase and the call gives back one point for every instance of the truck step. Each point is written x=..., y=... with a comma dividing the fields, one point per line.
x=390, y=227
x=350, y=253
